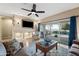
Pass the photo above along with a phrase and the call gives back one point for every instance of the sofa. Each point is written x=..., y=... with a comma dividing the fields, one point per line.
x=12, y=47
x=2, y=50
x=74, y=50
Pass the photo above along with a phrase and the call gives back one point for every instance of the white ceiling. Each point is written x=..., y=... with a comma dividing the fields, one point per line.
x=49, y=8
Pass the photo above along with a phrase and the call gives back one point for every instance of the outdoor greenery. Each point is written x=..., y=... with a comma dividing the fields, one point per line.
x=65, y=26
x=60, y=32
x=63, y=31
x=56, y=32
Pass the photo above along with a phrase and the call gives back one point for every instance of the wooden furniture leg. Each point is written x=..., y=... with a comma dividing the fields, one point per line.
x=36, y=49
x=56, y=46
x=45, y=53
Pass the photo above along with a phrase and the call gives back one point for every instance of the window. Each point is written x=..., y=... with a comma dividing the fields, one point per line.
x=47, y=27
x=55, y=27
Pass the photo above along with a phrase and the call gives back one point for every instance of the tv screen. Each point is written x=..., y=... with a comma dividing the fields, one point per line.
x=28, y=24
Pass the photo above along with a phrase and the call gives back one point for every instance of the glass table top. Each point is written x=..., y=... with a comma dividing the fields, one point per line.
x=44, y=44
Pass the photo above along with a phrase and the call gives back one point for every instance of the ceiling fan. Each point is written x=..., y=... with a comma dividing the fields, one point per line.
x=33, y=11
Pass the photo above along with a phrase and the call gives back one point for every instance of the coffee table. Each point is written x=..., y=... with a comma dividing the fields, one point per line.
x=46, y=47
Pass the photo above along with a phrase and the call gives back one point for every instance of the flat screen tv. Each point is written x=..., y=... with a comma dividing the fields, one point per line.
x=28, y=24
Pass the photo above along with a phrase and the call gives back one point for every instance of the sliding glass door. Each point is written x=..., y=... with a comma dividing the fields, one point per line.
x=64, y=32
x=58, y=31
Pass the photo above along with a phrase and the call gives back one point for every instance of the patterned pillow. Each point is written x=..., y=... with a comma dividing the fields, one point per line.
x=16, y=45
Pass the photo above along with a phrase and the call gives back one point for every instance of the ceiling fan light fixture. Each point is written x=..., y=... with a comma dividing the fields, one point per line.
x=33, y=13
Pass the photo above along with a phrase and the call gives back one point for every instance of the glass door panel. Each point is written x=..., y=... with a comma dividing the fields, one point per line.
x=55, y=31
x=64, y=32
x=58, y=31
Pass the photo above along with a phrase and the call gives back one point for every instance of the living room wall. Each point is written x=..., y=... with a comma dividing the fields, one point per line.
x=18, y=25
x=6, y=28
x=0, y=28
x=20, y=32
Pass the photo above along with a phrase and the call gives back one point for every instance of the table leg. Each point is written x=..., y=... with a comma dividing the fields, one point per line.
x=56, y=46
x=36, y=49
x=44, y=53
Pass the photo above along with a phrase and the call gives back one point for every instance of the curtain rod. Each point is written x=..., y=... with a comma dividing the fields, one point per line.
x=60, y=19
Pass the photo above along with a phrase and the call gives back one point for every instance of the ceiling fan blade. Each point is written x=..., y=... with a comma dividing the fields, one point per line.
x=34, y=7
x=29, y=14
x=40, y=11
x=26, y=9
x=37, y=15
